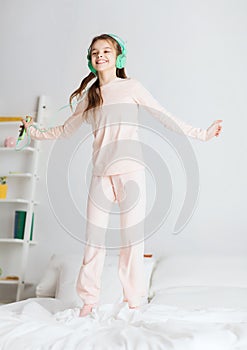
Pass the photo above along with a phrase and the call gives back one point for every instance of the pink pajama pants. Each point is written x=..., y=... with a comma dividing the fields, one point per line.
x=129, y=191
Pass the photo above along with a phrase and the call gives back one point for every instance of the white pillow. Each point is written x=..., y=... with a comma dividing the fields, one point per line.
x=47, y=285
x=183, y=270
x=69, y=270
x=202, y=297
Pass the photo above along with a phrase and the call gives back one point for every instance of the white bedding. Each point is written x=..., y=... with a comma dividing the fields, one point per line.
x=43, y=323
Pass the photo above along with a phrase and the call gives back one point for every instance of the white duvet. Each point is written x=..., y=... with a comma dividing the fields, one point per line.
x=39, y=324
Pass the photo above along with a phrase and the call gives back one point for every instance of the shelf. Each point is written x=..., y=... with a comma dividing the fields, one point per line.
x=12, y=149
x=14, y=123
x=16, y=241
x=18, y=175
x=17, y=200
x=14, y=282
x=9, y=281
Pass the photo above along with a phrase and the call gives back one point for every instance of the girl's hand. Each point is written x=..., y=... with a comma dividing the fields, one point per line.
x=27, y=124
x=214, y=129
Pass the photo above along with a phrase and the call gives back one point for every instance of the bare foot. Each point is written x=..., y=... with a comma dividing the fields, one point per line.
x=86, y=310
x=134, y=307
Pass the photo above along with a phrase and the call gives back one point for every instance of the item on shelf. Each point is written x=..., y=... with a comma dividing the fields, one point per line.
x=3, y=187
x=19, y=227
x=1, y=271
x=10, y=278
x=10, y=119
x=10, y=142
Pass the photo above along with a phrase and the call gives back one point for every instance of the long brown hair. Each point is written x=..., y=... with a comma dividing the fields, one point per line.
x=94, y=93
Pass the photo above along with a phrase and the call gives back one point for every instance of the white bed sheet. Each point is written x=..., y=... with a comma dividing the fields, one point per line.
x=43, y=323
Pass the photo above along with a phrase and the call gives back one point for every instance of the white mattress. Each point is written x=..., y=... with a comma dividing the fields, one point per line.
x=43, y=323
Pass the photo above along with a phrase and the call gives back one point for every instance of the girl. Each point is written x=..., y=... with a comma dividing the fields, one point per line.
x=110, y=101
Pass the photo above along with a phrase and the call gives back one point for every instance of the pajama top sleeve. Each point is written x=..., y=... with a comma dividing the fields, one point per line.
x=145, y=99
x=61, y=131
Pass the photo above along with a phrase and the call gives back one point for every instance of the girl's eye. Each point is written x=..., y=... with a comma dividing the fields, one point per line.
x=107, y=51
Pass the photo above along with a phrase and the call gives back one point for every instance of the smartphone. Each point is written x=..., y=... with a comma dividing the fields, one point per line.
x=22, y=131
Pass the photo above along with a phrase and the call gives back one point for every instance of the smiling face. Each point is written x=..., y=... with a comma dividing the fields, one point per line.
x=103, y=56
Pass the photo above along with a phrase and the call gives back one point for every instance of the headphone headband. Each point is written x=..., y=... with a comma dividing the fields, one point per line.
x=120, y=42
x=121, y=59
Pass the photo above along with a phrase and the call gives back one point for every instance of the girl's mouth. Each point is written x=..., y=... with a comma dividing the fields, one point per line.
x=100, y=62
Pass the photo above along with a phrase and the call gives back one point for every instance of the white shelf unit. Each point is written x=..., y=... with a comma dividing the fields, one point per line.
x=20, y=168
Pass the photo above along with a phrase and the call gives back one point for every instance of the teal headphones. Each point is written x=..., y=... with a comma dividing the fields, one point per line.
x=121, y=59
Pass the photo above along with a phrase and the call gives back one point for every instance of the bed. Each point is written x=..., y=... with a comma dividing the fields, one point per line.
x=193, y=303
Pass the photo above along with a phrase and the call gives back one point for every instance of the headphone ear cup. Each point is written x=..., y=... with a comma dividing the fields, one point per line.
x=120, y=61
x=89, y=63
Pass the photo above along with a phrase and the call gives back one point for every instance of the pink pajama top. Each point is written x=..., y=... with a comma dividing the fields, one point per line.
x=116, y=149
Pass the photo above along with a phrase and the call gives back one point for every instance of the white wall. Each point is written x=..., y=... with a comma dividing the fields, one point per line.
x=190, y=55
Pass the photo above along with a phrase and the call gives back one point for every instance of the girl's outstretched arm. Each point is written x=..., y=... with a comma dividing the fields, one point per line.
x=61, y=131
x=143, y=97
